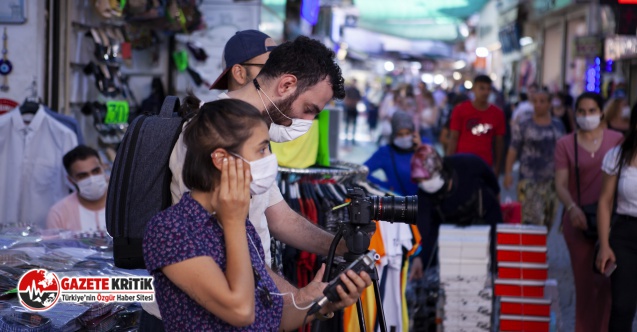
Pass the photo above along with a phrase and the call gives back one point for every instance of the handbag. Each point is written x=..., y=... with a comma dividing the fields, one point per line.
x=511, y=212
x=590, y=210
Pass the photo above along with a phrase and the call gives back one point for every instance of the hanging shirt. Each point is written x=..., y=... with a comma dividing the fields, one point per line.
x=69, y=122
x=33, y=177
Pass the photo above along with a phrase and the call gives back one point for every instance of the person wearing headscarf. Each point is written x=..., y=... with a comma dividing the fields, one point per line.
x=449, y=191
x=394, y=158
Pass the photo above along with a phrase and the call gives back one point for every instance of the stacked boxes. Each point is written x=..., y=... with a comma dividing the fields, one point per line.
x=522, y=274
x=464, y=263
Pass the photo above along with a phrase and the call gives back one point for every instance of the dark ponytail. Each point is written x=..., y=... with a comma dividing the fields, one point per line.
x=628, y=149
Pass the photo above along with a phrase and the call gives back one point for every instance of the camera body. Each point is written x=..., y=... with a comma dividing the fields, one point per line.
x=360, y=207
x=389, y=208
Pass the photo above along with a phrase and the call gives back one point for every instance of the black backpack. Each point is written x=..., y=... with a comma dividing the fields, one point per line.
x=139, y=187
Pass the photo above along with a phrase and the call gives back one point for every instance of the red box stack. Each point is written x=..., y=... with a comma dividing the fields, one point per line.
x=522, y=273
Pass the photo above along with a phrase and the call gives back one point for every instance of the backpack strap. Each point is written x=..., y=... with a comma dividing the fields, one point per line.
x=169, y=107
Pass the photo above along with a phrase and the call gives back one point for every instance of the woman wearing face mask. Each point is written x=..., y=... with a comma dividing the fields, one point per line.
x=449, y=191
x=393, y=159
x=593, y=141
x=617, y=115
x=205, y=255
x=563, y=112
x=618, y=241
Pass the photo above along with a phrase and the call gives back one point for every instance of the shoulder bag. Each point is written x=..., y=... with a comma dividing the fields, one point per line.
x=590, y=210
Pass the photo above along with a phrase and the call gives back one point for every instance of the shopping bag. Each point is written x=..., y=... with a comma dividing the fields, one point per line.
x=511, y=212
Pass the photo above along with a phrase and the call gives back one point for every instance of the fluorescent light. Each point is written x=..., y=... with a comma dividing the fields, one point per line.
x=438, y=79
x=468, y=85
x=464, y=30
x=427, y=78
x=459, y=64
x=389, y=66
x=526, y=41
x=457, y=76
x=482, y=52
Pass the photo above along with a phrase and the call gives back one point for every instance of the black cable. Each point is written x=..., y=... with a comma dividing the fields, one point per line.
x=330, y=254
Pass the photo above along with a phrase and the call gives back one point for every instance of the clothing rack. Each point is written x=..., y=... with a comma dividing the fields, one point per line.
x=338, y=168
x=314, y=193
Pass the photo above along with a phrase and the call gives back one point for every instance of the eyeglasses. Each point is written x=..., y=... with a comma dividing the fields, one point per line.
x=264, y=293
x=254, y=64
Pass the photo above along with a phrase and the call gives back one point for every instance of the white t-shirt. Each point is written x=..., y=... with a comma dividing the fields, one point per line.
x=626, y=193
x=92, y=221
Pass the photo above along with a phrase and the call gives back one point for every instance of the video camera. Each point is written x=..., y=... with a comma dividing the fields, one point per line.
x=362, y=210
x=389, y=208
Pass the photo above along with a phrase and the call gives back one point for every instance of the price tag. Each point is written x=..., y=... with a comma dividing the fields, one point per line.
x=116, y=112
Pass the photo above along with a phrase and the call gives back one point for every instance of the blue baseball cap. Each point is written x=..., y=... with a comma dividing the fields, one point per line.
x=241, y=47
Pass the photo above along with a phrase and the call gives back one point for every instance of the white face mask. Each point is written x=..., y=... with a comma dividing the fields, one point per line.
x=279, y=133
x=264, y=173
x=433, y=184
x=93, y=187
x=626, y=112
x=589, y=122
x=405, y=142
x=298, y=128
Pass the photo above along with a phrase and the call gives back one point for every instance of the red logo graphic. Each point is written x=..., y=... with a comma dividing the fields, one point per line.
x=38, y=290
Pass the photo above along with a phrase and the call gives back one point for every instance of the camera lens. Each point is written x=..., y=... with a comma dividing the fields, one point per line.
x=395, y=208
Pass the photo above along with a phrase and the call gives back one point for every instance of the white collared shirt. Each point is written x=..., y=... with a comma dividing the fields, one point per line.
x=33, y=176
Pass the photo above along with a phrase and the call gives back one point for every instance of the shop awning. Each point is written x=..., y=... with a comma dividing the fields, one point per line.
x=417, y=19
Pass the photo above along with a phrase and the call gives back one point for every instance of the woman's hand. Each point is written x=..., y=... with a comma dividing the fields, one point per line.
x=577, y=218
x=605, y=255
x=232, y=200
x=416, y=139
x=508, y=180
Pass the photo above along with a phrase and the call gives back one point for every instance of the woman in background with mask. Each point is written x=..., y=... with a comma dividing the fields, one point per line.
x=205, y=255
x=449, y=191
x=562, y=111
x=617, y=115
x=593, y=141
x=393, y=159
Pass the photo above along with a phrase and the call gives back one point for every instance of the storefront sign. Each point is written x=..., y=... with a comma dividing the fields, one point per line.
x=117, y=112
x=620, y=47
x=588, y=47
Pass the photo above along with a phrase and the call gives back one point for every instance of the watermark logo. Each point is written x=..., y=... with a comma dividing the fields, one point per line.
x=38, y=289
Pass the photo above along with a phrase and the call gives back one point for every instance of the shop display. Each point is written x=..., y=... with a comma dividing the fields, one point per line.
x=314, y=193
x=34, y=153
x=464, y=277
x=524, y=295
x=5, y=65
x=19, y=255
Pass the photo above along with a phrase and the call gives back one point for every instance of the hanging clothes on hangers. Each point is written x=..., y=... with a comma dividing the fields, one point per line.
x=31, y=157
x=68, y=121
x=314, y=192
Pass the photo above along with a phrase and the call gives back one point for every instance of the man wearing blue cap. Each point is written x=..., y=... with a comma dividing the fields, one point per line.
x=244, y=55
